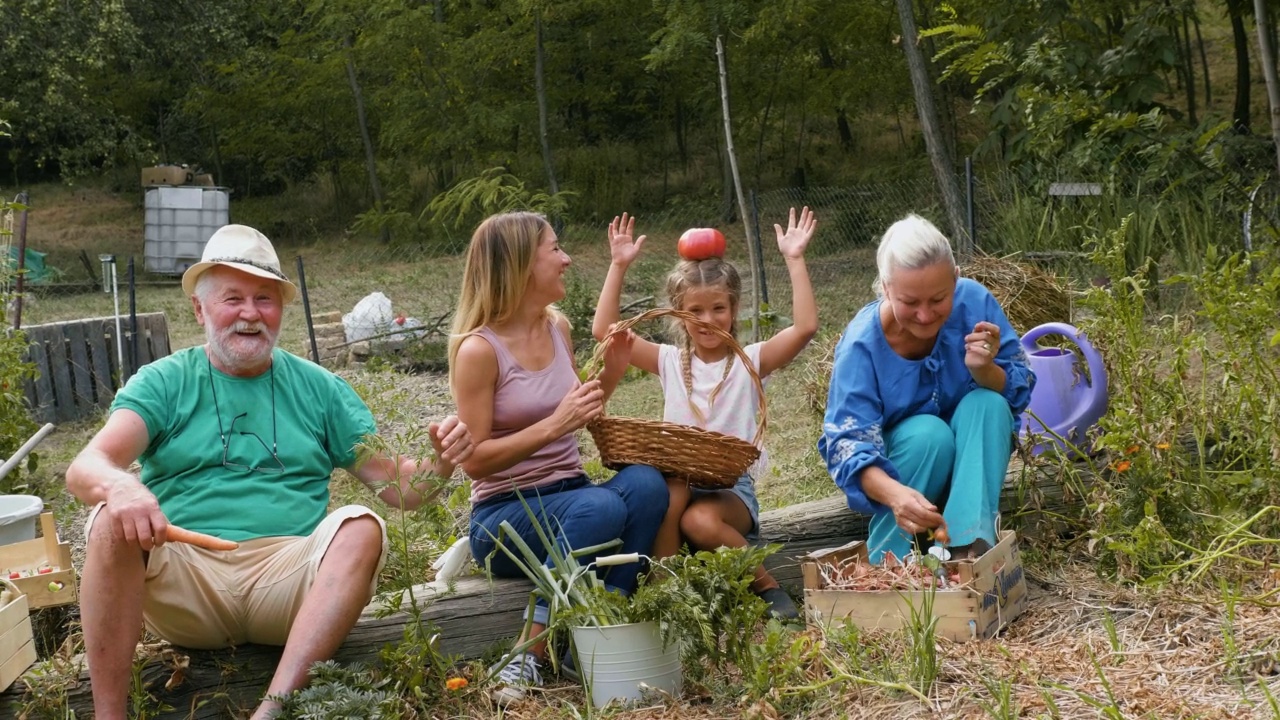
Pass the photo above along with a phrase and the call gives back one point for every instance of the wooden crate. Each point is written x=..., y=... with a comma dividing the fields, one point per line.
x=41, y=590
x=995, y=594
x=17, y=644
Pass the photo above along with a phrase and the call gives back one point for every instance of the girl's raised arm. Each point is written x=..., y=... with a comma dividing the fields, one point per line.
x=622, y=252
x=783, y=347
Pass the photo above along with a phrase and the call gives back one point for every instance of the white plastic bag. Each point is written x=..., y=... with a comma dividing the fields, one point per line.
x=454, y=561
x=371, y=316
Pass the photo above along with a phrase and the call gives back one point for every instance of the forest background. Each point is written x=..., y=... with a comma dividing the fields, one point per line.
x=385, y=105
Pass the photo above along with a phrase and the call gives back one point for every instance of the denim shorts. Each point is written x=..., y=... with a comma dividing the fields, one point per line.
x=744, y=490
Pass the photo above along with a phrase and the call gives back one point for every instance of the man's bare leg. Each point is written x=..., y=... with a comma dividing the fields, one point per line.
x=111, y=592
x=331, y=608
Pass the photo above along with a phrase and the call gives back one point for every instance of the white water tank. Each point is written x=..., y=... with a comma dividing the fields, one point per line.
x=179, y=221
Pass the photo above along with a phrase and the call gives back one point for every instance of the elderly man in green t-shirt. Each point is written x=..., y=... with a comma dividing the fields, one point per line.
x=237, y=439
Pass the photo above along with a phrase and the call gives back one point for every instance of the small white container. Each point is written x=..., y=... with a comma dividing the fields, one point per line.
x=18, y=515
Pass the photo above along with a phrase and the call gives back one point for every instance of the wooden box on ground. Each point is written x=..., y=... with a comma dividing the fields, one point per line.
x=55, y=587
x=994, y=592
x=17, y=645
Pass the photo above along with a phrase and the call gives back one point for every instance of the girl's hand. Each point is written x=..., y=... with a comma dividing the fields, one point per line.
x=622, y=251
x=796, y=238
x=617, y=355
x=582, y=405
x=982, y=345
x=914, y=512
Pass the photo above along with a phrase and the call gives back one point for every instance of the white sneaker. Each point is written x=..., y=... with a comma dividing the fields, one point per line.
x=516, y=677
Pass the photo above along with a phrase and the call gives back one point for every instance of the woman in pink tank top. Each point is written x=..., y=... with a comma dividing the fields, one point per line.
x=514, y=380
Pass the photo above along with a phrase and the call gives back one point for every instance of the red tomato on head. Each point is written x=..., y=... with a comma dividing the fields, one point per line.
x=701, y=243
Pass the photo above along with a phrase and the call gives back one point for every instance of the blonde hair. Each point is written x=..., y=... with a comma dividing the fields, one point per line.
x=694, y=274
x=910, y=244
x=496, y=274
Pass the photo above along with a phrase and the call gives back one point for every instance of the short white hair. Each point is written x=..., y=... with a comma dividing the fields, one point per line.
x=204, y=285
x=910, y=244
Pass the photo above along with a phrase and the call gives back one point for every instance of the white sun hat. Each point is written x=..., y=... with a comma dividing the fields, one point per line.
x=245, y=249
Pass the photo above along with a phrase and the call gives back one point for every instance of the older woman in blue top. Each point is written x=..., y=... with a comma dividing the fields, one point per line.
x=921, y=413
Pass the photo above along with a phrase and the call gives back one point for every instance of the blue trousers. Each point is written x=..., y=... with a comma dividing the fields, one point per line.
x=577, y=514
x=959, y=466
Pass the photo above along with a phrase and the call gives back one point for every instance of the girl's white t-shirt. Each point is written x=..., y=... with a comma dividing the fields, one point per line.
x=736, y=405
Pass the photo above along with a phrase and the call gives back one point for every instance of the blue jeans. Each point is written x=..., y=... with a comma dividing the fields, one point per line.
x=745, y=490
x=577, y=514
x=959, y=466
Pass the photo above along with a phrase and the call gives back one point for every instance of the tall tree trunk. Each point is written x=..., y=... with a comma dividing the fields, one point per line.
x=541, y=89
x=218, y=177
x=370, y=162
x=1204, y=64
x=678, y=124
x=764, y=120
x=1240, y=109
x=934, y=142
x=1269, y=72
x=747, y=226
x=1188, y=68
x=827, y=61
x=439, y=11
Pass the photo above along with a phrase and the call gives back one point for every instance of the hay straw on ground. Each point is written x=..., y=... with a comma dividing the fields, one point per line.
x=1170, y=660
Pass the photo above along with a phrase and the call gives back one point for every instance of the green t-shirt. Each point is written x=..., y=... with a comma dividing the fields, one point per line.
x=319, y=420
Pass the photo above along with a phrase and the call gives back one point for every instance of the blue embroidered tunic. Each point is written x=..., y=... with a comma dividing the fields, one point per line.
x=873, y=388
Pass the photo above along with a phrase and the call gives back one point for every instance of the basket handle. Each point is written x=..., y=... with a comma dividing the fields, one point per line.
x=595, y=364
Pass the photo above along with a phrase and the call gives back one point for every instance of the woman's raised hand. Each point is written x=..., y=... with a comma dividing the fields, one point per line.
x=982, y=345
x=622, y=250
x=793, y=241
x=583, y=404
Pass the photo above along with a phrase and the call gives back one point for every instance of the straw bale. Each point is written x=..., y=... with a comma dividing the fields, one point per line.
x=1030, y=295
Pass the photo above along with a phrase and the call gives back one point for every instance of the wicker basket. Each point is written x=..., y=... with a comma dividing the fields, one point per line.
x=704, y=458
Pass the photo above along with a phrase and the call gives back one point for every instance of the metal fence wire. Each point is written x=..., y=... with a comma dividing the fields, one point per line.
x=1047, y=216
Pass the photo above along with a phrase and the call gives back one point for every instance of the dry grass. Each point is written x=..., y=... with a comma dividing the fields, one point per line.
x=1167, y=658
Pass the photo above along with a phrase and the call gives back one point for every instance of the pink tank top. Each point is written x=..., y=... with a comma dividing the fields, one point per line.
x=523, y=397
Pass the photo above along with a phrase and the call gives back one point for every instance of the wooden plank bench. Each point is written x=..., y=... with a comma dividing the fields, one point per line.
x=78, y=368
x=476, y=615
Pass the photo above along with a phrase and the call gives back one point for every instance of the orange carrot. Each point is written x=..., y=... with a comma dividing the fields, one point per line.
x=200, y=540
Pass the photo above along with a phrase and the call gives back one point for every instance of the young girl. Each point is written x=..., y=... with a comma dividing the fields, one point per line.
x=705, y=385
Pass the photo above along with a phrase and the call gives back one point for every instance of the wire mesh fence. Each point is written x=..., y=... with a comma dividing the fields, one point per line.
x=1047, y=217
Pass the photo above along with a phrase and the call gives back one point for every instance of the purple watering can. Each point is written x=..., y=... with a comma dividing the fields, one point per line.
x=1063, y=402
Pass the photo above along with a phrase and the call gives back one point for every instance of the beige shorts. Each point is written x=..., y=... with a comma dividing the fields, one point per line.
x=200, y=598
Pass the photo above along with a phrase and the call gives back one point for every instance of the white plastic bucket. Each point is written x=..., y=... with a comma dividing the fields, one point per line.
x=18, y=515
x=617, y=660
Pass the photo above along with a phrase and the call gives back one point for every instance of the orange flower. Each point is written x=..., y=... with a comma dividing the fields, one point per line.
x=1162, y=446
x=455, y=683
x=1123, y=465
x=1131, y=449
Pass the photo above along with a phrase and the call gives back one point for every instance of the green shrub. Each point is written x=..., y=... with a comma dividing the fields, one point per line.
x=1188, y=476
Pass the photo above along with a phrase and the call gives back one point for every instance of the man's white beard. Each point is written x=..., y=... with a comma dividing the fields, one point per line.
x=234, y=352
